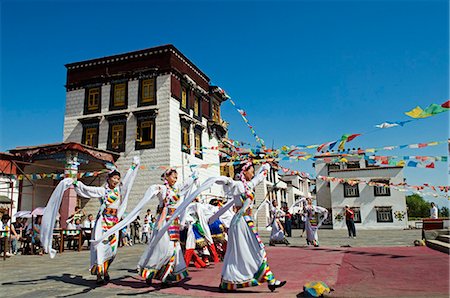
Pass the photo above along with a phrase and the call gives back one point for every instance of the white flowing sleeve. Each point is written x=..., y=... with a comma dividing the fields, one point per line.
x=89, y=191
x=204, y=222
x=324, y=213
x=263, y=203
x=298, y=203
x=260, y=176
x=182, y=208
x=231, y=187
x=50, y=215
x=127, y=184
x=151, y=192
x=221, y=212
x=187, y=184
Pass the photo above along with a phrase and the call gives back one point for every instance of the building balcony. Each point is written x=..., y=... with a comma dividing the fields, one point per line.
x=219, y=127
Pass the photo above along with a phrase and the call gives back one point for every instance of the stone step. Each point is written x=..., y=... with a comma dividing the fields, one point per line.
x=439, y=245
x=433, y=234
x=444, y=238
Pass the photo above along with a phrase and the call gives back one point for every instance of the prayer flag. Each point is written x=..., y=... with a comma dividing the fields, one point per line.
x=417, y=112
x=446, y=104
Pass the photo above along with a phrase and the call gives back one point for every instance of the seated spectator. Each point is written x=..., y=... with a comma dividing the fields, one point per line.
x=78, y=214
x=72, y=225
x=35, y=231
x=125, y=237
x=16, y=230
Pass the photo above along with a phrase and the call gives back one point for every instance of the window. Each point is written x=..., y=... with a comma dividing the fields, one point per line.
x=196, y=107
x=198, y=143
x=382, y=191
x=184, y=98
x=118, y=96
x=117, y=135
x=185, y=140
x=357, y=214
x=90, y=134
x=351, y=190
x=92, y=100
x=333, y=166
x=384, y=214
x=353, y=165
x=283, y=195
x=147, y=92
x=145, y=137
x=216, y=112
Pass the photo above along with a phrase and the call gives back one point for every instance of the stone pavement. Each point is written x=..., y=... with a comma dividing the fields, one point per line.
x=379, y=264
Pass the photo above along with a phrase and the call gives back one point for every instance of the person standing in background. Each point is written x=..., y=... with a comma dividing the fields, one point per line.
x=88, y=225
x=350, y=221
x=433, y=211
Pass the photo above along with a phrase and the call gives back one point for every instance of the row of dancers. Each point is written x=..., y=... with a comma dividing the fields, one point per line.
x=308, y=213
x=204, y=225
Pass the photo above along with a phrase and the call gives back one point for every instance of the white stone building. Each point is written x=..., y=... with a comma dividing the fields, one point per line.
x=272, y=188
x=153, y=103
x=297, y=187
x=285, y=189
x=376, y=207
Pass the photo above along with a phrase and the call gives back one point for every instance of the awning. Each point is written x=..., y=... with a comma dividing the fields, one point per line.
x=5, y=200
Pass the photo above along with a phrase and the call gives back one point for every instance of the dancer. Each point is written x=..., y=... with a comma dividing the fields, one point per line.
x=312, y=236
x=220, y=226
x=245, y=262
x=195, y=238
x=277, y=234
x=163, y=258
x=113, y=198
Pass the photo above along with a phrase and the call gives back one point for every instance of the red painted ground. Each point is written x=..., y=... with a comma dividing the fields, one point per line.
x=352, y=272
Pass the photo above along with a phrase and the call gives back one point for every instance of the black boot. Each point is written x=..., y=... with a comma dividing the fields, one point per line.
x=99, y=281
x=272, y=287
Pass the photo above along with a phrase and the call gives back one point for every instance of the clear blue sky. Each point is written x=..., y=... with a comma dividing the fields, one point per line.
x=305, y=71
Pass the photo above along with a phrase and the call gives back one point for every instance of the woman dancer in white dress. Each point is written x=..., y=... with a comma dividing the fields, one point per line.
x=277, y=233
x=245, y=262
x=163, y=258
x=312, y=236
x=113, y=197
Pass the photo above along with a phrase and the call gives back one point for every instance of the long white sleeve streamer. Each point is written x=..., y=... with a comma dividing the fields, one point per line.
x=204, y=223
x=299, y=202
x=263, y=203
x=50, y=214
x=206, y=185
x=185, y=191
x=324, y=212
x=127, y=184
x=221, y=211
x=151, y=192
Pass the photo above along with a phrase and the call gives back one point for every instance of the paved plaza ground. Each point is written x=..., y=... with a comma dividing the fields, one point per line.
x=377, y=264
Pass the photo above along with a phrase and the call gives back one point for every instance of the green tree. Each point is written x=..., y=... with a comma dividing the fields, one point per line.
x=417, y=206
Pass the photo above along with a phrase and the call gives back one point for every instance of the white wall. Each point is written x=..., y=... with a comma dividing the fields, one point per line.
x=367, y=200
x=323, y=193
x=167, y=151
x=13, y=192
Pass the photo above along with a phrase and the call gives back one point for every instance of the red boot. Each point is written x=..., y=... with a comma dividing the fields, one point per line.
x=188, y=256
x=212, y=249
x=198, y=262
